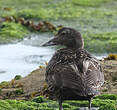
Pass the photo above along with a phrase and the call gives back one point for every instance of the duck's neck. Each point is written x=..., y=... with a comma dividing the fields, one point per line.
x=79, y=44
x=74, y=49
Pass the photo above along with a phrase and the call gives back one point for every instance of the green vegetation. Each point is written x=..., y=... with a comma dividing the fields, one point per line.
x=96, y=19
x=47, y=9
x=40, y=103
x=10, y=31
x=107, y=96
x=19, y=91
x=4, y=84
x=17, y=77
x=39, y=99
x=89, y=2
x=105, y=42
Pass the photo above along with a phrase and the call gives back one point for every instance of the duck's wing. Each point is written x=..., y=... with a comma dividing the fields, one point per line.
x=66, y=76
x=62, y=74
x=93, y=75
x=83, y=76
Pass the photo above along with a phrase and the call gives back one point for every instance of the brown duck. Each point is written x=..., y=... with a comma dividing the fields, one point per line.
x=72, y=73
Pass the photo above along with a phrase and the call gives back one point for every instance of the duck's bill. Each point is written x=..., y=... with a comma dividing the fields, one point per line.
x=50, y=43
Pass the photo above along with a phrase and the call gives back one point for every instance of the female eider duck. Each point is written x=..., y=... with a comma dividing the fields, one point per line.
x=72, y=73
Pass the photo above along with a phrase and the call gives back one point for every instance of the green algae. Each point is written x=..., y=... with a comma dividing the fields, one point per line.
x=107, y=96
x=89, y=2
x=101, y=42
x=17, y=77
x=4, y=84
x=40, y=103
x=96, y=19
x=10, y=31
x=63, y=9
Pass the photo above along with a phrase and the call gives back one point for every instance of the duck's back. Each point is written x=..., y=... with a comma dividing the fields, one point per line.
x=73, y=73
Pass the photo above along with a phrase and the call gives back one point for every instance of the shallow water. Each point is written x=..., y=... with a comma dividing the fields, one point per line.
x=24, y=57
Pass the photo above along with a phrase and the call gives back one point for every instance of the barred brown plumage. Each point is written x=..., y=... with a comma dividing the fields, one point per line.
x=72, y=73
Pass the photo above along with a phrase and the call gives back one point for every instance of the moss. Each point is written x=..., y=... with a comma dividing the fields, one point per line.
x=101, y=42
x=19, y=105
x=4, y=84
x=19, y=91
x=89, y=2
x=66, y=105
x=39, y=99
x=30, y=13
x=105, y=104
x=107, y=96
x=51, y=9
x=95, y=19
x=12, y=31
x=4, y=105
x=17, y=77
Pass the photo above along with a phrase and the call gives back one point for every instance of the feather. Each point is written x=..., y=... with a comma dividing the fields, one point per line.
x=75, y=70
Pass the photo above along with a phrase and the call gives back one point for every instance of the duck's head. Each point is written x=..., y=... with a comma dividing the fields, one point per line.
x=67, y=37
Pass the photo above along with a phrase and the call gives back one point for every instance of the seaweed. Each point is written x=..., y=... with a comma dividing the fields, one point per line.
x=104, y=102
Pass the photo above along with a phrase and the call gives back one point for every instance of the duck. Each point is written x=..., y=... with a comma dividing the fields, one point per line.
x=72, y=73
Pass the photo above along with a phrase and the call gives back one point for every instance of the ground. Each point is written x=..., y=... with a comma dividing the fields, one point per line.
x=110, y=73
